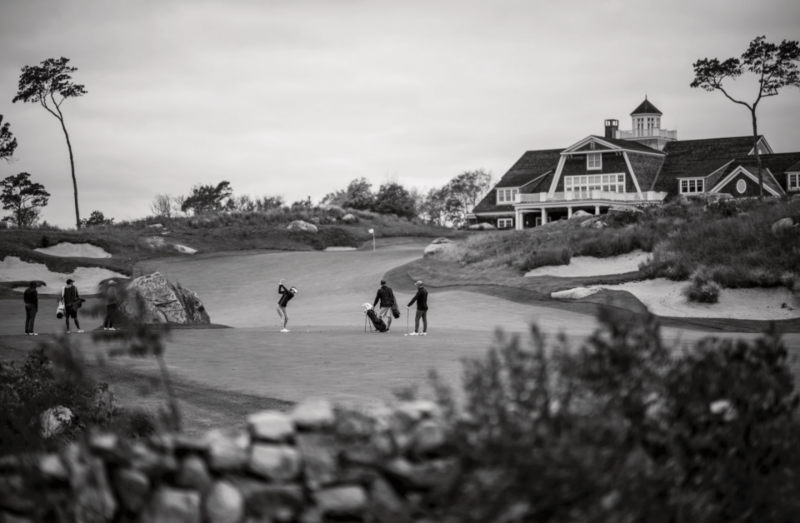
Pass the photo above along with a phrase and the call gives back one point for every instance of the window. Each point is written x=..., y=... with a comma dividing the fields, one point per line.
x=594, y=161
x=692, y=186
x=506, y=195
x=741, y=186
x=505, y=223
x=794, y=182
x=591, y=146
x=581, y=185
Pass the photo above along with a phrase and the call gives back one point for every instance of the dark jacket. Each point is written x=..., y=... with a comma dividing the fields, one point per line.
x=70, y=295
x=111, y=295
x=286, y=295
x=31, y=297
x=385, y=296
x=421, y=297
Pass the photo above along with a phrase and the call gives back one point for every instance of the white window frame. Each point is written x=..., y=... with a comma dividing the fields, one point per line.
x=594, y=161
x=506, y=195
x=793, y=177
x=741, y=186
x=582, y=185
x=691, y=185
x=501, y=223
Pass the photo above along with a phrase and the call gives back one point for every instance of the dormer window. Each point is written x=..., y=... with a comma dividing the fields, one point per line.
x=506, y=196
x=594, y=161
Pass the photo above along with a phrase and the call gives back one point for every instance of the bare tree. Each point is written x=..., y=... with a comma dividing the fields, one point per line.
x=39, y=84
x=774, y=65
x=162, y=205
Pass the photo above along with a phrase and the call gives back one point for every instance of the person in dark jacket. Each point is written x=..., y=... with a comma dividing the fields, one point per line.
x=386, y=298
x=111, y=306
x=421, y=297
x=31, y=299
x=286, y=295
x=72, y=302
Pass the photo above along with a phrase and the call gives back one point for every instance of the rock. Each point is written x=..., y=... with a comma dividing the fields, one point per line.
x=270, y=425
x=438, y=241
x=580, y=214
x=153, y=242
x=349, y=218
x=228, y=450
x=350, y=499
x=92, y=498
x=320, y=463
x=193, y=473
x=386, y=505
x=268, y=500
x=51, y=466
x=155, y=226
x=280, y=463
x=152, y=463
x=316, y=413
x=437, y=473
x=163, y=302
x=481, y=227
x=428, y=436
x=104, y=444
x=184, y=249
x=599, y=225
x=417, y=410
x=624, y=208
x=54, y=420
x=783, y=223
x=431, y=250
x=133, y=487
x=224, y=503
x=169, y=505
x=300, y=225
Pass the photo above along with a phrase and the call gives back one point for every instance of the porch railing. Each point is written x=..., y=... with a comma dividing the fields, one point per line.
x=542, y=197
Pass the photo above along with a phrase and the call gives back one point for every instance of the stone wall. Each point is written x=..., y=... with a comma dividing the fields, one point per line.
x=317, y=463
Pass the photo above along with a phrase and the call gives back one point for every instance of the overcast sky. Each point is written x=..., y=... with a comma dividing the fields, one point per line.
x=298, y=97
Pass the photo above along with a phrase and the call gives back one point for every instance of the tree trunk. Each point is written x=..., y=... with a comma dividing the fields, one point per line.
x=74, y=180
x=758, y=156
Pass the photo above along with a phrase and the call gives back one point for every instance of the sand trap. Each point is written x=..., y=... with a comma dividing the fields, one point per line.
x=75, y=250
x=664, y=298
x=86, y=278
x=336, y=249
x=591, y=266
x=575, y=294
x=184, y=249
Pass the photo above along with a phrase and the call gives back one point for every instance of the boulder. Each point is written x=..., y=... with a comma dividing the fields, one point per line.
x=163, y=302
x=623, y=208
x=300, y=225
x=155, y=226
x=153, y=242
x=349, y=218
x=783, y=223
x=434, y=248
x=437, y=241
x=481, y=227
x=580, y=214
x=184, y=249
x=54, y=420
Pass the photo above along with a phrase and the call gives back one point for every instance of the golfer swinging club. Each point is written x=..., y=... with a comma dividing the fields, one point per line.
x=286, y=295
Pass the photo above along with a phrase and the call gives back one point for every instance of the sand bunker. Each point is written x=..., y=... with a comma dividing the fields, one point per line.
x=75, y=250
x=575, y=294
x=664, y=298
x=86, y=278
x=335, y=249
x=591, y=266
x=184, y=249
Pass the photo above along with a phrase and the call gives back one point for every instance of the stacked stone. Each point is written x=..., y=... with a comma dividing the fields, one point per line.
x=314, y=464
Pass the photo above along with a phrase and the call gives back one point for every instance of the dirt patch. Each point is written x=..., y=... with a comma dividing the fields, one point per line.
x=591, y=266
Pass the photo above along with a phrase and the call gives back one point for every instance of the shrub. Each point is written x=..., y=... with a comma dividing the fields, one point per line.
x=544, y=257
x=702, y=288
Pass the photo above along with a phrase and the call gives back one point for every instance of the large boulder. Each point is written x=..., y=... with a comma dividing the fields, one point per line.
x=300, y=225
x=783, y=223
x=441, y=240
x=349, y=218
x=163, y=302
x=54, y=420
x=580, y=214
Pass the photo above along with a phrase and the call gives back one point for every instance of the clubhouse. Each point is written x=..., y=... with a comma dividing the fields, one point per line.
x=644, y=166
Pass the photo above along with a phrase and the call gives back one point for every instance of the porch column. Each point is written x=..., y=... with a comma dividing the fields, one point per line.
x=569, y=212
x=544, y=215
x=518, y=219
x=597, y=210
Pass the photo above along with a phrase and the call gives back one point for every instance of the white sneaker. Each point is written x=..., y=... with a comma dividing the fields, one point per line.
x=424, y=334
x=284, y=330
x=112, y=329
x=413, y=334
x=105, y=328
x=34, y=333
x=80, y=330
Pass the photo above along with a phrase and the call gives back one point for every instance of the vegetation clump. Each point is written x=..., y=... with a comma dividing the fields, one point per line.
x=702, y=288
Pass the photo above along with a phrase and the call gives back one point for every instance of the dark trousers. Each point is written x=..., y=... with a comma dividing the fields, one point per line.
x=111, y=312
x=70, y=310
x=424, y=316
x=30, y=316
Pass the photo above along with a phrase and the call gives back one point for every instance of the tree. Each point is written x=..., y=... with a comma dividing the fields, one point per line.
x=24, y=199
x=40, y=84
x=266, y=203
x=465, y=191
x=162, y=205
x=97, y=218
x=8, y=143
x=302, y=205
x=393, y=198
x=434, y=206
x=205, y=198
x=774, y=65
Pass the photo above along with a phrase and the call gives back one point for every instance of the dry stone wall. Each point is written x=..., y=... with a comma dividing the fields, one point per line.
x=317, y=463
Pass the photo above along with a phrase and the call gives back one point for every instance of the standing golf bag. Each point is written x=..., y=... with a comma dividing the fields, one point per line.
x=378, y=323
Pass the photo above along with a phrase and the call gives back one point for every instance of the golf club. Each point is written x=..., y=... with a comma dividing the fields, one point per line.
x=406, y=321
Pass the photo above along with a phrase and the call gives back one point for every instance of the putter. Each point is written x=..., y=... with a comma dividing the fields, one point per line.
x=406, y=321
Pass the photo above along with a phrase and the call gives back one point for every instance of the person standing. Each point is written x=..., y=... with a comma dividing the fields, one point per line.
x=386, y=298
x=111, y=306
x=31, y=299
x=421, y=297
x=286, y=295
x=71, y=299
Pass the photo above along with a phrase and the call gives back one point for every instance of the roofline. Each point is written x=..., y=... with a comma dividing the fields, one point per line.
x=741, y=169
x=613, y=147
x=537, y=178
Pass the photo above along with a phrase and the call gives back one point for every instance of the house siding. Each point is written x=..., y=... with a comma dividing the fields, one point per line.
x=612, y=163
x=752, y=187
x=646, y=167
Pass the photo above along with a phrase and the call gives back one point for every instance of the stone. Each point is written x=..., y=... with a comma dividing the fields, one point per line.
x=266, y=499
x=320, y=463
x=300, y=225
x=155, y=226
x=428, y=436
x=104, y=444
x=438, y=474
x=152, y=463
x=162, y=302
x=13, y=494
x=418, y=409
x=92, y=497
x=599, y=225
x=190, y=443
x=580, y=214
x=193, y=473
x=441, y=240
x=270, y=425
x=184, y=249
x=316, y=413
x=228, y=450
x=280, y=463
x=224, y=503
x=169, y=505
x=153, y=242
x=481, y=227
x=133, y=487
x=349, y=499
x=624, y=208
x=54, y=421
x=386, y=505
x=349, y=218
x=51, y=466
x=783, y=223
x=433, y=249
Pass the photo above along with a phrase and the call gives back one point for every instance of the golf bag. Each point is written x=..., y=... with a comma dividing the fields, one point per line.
x=378, y=323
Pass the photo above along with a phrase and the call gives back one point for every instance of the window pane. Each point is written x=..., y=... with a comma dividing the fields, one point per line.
x=700, y=185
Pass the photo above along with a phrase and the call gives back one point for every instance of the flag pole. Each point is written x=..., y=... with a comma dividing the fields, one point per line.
x=372, y=231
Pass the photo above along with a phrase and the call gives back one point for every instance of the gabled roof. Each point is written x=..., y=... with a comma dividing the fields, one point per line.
x=773, y=167
x=609, y=144
x=630, y=145
x=535, y=168
x=646, y=108
x=769, y=180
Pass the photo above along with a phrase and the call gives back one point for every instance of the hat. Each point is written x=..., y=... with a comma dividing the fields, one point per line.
x=293, y=289
x=383, y=282
x=70, y=280
x=419, y=283
x=112, y=282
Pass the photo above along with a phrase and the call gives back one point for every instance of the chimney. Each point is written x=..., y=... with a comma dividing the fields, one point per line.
x=612, y=126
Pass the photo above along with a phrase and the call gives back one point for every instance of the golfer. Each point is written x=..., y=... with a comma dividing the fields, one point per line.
x=421, y=297
x=286, y=295
x=386, y=297
x=31, y=299
x=69, y=295
x=111, y=306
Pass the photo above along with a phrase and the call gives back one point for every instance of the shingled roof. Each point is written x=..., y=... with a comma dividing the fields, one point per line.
x=774, y=167
x=628, y=144
x=646, y=108
x=534, y=166
x=794, y=168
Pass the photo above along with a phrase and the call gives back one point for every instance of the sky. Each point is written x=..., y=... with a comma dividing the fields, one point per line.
x=299, y=97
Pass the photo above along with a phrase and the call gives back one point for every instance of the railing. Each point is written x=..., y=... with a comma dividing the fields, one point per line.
x=648, y=133
x=541, y=197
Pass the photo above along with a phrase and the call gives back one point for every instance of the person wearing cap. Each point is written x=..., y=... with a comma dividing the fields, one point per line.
x=31, y=299
x=286, y=295
x=386, y=297
x=421, y=298
x=71, y=300
x=111, y=306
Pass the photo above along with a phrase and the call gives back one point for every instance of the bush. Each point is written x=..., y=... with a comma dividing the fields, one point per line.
x=702, y=288
x=544, y=257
